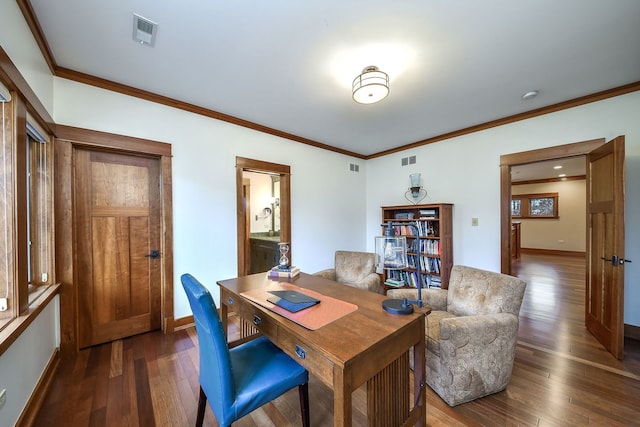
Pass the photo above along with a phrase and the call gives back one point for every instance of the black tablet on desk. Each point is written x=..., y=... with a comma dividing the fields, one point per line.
x=292, y=301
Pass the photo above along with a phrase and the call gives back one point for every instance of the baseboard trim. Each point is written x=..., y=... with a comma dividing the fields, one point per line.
x=632, y=331
x=30, y=411
x=187, y=321
x=552, y=252
x=183, y=323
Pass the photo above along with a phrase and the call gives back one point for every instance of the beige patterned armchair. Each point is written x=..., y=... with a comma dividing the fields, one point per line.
x=471, y=333
x=357, y=269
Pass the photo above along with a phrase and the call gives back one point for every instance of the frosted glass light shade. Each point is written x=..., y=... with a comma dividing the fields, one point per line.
x=371, y=86
x=415, y=179
x=391, y=253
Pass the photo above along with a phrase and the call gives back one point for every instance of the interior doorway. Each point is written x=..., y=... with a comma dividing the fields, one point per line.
x=605, y=231
x=68, y=267
x=275, y=214
x=510, y=160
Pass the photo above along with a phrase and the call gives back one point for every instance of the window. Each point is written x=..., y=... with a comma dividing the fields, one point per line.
x=529, y=206
x=39, y=209
x=26, y=208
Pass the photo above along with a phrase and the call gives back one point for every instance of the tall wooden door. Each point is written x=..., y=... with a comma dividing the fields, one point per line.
x=604, y=305
x=117, y=237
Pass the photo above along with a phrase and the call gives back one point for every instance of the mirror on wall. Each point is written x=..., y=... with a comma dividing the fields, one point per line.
x=264, y=205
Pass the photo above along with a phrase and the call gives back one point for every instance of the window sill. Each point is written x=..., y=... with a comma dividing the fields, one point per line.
x=18, y=325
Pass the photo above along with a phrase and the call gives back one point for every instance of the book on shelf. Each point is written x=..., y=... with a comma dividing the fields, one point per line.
x=395, y=283
x=284, y=273
x=435, y=282
x=404, y=215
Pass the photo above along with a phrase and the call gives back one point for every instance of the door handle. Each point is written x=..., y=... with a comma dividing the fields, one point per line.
x=615, y=260
x=154, y=254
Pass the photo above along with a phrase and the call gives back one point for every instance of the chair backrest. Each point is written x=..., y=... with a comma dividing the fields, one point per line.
x=353, y=266
x=215, y=363
x=475, y=292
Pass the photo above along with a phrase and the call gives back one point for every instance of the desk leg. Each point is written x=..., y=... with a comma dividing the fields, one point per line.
x=388, y=394
x=420, y=380
x=342, y=410
x=224, y=318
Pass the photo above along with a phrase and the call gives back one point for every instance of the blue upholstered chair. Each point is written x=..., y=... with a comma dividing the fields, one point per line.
x=238, y=380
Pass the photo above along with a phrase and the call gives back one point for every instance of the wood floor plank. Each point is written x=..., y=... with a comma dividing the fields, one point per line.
x=143, y=394
x=561, y=376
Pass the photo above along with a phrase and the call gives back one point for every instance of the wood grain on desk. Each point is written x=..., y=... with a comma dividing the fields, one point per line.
x=348, y=352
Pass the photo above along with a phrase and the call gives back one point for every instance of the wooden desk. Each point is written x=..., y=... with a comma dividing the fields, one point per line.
x=368, y=345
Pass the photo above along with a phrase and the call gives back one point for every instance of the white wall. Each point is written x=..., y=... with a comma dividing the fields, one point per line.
x=465, y=171
x=22, y=365
x=327, y=200
x=566, y=233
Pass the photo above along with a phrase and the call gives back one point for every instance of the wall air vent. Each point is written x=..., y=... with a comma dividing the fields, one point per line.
x=144, y=30
x=354, y=167
x=408, y=160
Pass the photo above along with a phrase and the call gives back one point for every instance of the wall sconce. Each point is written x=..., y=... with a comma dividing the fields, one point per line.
x=416, y=193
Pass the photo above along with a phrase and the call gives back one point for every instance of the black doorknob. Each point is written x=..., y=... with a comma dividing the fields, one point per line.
x=154, y=254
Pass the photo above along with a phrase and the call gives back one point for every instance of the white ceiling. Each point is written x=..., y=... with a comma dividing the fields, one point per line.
x=566, y=167
x=289, y=65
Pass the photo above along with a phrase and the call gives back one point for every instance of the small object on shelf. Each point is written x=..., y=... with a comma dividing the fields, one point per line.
x=283, y=247
x=276, y=273
x=394, y=283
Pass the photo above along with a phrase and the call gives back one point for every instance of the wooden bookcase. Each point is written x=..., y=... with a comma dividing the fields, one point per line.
x=435, y=236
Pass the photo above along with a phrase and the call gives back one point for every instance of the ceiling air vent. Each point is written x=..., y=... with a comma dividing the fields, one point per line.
x=144, y=30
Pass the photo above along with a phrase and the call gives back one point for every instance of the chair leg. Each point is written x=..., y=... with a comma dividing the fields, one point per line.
x=202, y=404
x=303, y=391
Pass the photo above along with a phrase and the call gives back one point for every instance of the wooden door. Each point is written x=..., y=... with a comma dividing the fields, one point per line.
x=117, y=226
x=604, y=305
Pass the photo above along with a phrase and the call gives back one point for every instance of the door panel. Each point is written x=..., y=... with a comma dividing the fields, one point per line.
x=118, y=225
x=604, y=305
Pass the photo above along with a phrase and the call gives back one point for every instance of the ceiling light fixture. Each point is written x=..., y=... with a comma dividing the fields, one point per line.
x=530, y=95
x=371, y=86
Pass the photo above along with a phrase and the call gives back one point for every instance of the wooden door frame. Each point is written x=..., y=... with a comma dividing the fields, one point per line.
x=250, y=165
x=67, y=139
x=514, y=159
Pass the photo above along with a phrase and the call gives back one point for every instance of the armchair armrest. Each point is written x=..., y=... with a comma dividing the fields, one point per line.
x=435, y=299
x=486, y=340
x=329, y=273
x=371, y=282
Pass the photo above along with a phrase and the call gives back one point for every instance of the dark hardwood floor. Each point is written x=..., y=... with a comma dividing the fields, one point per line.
x=561, y=375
